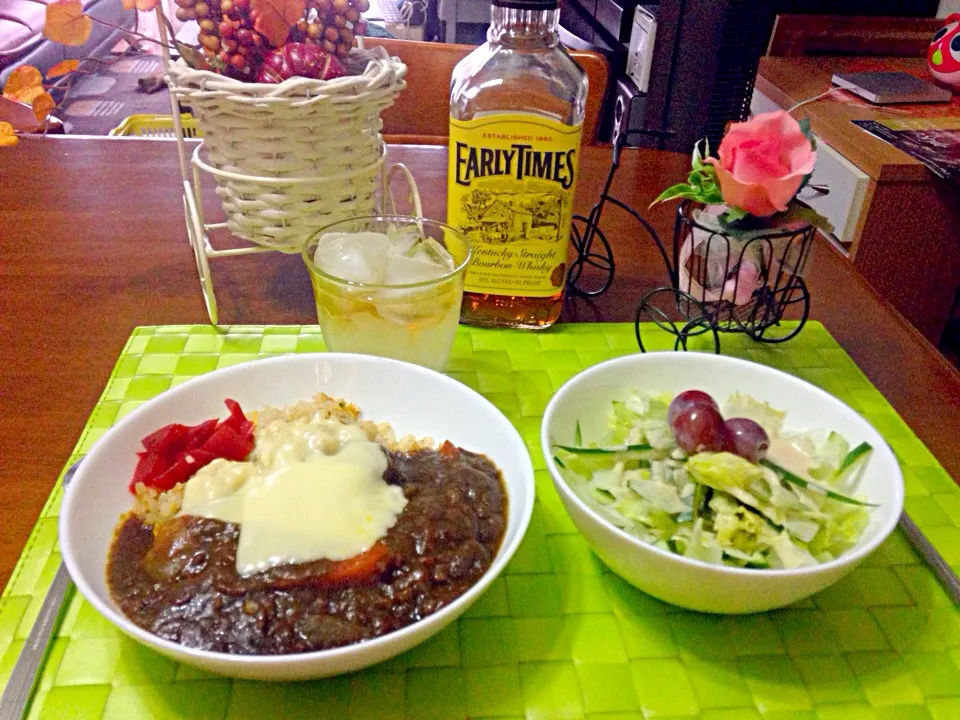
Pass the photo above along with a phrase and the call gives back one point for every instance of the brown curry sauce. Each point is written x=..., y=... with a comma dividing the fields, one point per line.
x=179, y=580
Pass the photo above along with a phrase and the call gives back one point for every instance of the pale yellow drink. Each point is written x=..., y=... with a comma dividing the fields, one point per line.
x=389, y=286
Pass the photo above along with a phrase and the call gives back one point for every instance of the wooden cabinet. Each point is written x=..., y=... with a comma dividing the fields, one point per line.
x=898, y=224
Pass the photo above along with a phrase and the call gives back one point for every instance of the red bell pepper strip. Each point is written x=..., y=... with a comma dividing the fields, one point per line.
x=165, y=437
x=172, y=454
x=228, y=443
x=150, y=464
x=199, y=434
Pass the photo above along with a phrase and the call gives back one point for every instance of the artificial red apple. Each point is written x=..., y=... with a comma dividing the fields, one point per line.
x=299, y=60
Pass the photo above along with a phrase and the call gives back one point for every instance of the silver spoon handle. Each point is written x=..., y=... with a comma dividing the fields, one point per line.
x=948, y=578
x=24, y=676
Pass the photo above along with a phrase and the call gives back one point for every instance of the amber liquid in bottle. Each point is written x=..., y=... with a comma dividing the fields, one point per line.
x=520, y=72
x=516, y=311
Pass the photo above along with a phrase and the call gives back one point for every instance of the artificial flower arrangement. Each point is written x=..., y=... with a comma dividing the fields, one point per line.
x=748, y=191
x=264, y=41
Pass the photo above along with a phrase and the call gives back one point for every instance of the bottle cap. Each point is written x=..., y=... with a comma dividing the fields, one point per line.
x=527, y=4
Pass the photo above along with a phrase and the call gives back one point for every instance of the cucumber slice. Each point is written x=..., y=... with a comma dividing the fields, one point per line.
x=605, y=494
x=701, y=496
x=643, y=447
x=853, y=456
x=851, y=467
x=812, y=486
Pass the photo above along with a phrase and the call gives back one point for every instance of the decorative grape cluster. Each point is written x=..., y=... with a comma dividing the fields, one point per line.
x=227, y=36
x=234, y=47
x=331, y=24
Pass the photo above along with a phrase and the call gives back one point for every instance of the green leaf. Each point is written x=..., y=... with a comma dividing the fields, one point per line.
x=807, y=132
x=708, y=173
x=701, y=185
x=734, y=214
x=805, y=213
x=577, y=435
x=680, y=190
x=711, y=191
x=697, y=161
x=705, y=180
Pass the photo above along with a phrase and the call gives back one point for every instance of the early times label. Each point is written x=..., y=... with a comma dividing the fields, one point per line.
x=510, y=190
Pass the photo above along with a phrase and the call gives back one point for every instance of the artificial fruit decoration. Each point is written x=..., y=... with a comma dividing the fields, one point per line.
x=299, y=60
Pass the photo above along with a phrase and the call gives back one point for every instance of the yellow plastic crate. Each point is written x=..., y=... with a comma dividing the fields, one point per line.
x=156, y=126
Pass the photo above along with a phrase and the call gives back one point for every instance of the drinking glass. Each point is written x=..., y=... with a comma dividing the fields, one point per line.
x=384, y=287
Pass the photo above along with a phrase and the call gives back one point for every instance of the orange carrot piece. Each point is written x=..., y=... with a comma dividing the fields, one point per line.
x=358, y=568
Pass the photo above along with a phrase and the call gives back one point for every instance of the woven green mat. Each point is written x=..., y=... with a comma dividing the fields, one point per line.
x=557, y=636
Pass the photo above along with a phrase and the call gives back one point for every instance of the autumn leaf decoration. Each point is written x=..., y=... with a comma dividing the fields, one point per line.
x=63, y=68
x=275, y=17
x=8, y=136
x=66, y=23
x=25, y=85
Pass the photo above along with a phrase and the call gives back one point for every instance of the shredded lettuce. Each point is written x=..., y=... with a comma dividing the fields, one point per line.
x=769, y=418
x=826, y=451
x=718, y=507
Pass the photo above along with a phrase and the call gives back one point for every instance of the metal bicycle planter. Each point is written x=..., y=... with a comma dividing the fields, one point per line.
x=719, y=283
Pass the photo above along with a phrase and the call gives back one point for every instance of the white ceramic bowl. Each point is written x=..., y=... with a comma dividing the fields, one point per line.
x=691, y=583
x=413, y=399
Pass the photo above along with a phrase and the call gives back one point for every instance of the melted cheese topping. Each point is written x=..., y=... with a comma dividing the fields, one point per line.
x=213, y=491
x=332, y=507
x=313, y=490
x=282, y=442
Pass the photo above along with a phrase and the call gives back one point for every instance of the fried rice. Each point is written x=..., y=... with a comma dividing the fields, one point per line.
x=153, y=506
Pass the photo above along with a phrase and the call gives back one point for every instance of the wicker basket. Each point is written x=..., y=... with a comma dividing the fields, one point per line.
x=292, y=157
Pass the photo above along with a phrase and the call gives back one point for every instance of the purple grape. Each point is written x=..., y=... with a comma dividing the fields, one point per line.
x=747, y=439
x=699, y=428
x=686, y=400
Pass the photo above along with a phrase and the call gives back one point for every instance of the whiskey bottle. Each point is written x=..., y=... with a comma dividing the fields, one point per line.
x=516, y=113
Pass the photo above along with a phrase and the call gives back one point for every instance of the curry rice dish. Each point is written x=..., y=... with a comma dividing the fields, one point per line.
x=181, y=566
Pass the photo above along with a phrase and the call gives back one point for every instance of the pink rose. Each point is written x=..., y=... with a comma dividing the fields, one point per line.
x=762, y=163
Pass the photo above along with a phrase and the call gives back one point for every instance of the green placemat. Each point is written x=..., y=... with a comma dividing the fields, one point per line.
x=557, y=636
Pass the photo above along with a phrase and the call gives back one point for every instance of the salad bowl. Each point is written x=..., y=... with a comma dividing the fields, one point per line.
x=582, y=415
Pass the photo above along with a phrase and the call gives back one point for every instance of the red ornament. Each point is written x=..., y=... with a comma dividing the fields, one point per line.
x=943, y=55
x=299, y=60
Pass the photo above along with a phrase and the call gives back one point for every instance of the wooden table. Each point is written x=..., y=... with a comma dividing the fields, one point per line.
x=906, y=239
x=92, y=243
